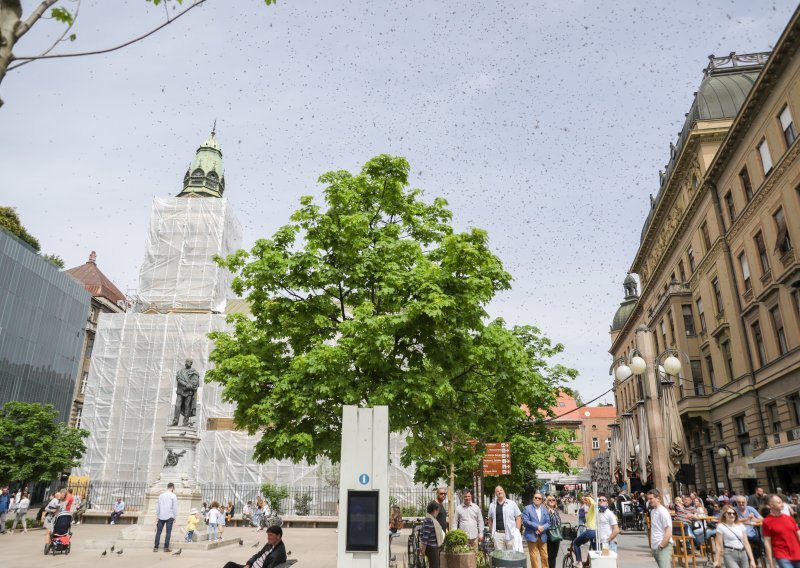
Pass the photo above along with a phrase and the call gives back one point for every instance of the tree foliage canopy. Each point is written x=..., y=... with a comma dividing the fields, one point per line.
x=34, y=446
x=9, y=220
x=376, y=300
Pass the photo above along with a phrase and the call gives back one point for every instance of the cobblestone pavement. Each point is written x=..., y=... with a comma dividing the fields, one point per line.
x=313, y=548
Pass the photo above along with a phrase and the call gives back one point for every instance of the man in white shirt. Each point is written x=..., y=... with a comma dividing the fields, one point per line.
x=660, y=530
x=166, y=512
x=607, y=527
x=504, y=518
x=470, y=520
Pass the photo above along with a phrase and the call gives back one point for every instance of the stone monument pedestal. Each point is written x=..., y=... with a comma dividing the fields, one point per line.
x=180, y=444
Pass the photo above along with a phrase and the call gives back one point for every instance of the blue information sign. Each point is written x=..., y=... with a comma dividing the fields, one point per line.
x=363, y=479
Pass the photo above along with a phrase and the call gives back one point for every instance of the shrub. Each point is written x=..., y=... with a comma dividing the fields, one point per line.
x=456, y=542
x=302, y=505
x=274, y=496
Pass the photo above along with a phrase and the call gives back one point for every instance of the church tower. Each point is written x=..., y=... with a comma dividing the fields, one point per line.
x=205, y=177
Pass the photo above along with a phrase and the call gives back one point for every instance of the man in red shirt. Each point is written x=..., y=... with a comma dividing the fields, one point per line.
x=781, y=537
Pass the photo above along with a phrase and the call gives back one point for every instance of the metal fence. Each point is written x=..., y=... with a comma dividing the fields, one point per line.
x=102, y=495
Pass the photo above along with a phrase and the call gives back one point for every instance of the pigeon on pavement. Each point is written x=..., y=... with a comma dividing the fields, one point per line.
x=104, y=553
x=177, y=553
x=112, y=548
x=119, y=551
x=255, y=545
x=241, y=542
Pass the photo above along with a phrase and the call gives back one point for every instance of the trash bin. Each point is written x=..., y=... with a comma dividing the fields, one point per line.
x=509, y=559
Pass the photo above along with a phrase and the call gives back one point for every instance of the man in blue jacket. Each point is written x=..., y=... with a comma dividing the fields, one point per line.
x=536, y=520
x=4, y=499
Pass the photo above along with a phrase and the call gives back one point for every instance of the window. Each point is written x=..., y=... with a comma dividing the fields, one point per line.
x=762, y=252
x=89, y=345
x=789, y=133
x=78, y=417
x=719, y=431
x=701, y=314
x=783, y=243
x=758, y=340
x=727, y=356
x=671, y=327
x=706, y=237
x=774, y=417
x=84, y=380
x=730, y=206
x=766, y=158
x=608, y=443
x=690, y=254
x=780, y=332
x=688, y=319
x=595, y=444
x=742, y=436
x=794, y=408
x=718, y=296
x=663, y=333
x=573, y=437
x=744, y=177
x=697, y=378
x=712, y=379
x=745, y=271
x=681, y=271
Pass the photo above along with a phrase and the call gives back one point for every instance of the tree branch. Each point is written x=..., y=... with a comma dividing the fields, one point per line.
x=66, y=31
x=23, y=27
x=26, y=60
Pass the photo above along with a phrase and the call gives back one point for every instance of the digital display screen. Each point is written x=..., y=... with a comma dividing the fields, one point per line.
x=362, y=521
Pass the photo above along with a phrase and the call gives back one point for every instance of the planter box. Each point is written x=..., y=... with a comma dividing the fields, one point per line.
x=464, y=560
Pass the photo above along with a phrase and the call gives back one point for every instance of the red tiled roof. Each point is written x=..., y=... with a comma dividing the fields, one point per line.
x=94, y=281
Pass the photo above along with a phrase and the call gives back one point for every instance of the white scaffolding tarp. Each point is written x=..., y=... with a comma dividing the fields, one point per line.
x=178, y=271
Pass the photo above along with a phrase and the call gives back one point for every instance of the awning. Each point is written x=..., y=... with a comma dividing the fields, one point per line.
x=780, y=455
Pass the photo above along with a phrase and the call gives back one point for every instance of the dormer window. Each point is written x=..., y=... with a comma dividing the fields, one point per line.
x=197, y=177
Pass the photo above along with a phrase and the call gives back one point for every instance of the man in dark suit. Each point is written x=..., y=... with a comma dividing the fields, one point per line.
x=273, y=553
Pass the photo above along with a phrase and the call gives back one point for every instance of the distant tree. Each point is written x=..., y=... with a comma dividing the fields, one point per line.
x=373, y=299
x=13, y=27
x=9, y=220
x=55, y=259
x=34, y=446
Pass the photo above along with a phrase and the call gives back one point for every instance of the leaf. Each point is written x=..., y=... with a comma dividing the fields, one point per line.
x=62, y=15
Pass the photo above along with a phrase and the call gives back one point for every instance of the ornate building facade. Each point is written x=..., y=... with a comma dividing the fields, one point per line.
x=720, y=274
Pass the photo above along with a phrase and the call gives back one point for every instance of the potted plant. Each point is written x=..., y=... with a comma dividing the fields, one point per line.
x=456, y=552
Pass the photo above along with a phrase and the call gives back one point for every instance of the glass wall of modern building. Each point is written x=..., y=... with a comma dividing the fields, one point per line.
x=42, y=315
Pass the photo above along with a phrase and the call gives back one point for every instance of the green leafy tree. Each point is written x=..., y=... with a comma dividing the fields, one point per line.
x=13, y=26
x=54, y=259
x=375, y=300
x=34, y=446
x=274, y=496
x=9, y=220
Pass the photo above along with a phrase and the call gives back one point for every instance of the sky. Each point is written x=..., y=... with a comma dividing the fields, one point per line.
x=543, y=122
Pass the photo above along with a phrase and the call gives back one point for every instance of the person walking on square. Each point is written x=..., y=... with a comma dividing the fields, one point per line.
x=536, y=520
x=166, y=512
x=431, y=536
x=470, y=520
x=21, y=513
x=555, y=521
x=5, y=498
x=505, y=519
x=441, y=497
x=222, y=520
x=213, y=522
x=660, y=530
x=191, y=525
x=732, y=542
x=781, y=537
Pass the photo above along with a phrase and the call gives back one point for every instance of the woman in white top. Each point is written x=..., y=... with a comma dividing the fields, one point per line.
x=22, y=513
x=732, y=542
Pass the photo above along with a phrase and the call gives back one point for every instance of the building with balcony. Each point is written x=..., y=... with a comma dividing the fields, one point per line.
x=720, y=277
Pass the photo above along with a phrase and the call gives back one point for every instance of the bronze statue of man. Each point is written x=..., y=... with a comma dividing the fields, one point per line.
x=188, y=383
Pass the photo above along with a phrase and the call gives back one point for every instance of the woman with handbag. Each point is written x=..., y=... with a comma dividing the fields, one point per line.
x=554, y=536
x=732, y=543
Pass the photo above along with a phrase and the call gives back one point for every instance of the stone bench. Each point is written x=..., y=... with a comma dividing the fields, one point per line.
x=94, y=517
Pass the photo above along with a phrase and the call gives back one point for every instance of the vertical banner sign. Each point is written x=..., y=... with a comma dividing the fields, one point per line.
x=497, y=460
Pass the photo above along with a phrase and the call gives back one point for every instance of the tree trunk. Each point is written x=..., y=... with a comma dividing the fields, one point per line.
x=10, y=14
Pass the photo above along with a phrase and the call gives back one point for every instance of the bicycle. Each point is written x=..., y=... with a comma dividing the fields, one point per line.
x=414, y=560
x=485, y=549
x=569, y=534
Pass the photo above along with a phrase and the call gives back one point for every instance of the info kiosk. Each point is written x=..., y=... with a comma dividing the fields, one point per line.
x=364, y=488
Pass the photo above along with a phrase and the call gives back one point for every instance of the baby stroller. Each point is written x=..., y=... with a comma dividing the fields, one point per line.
x=61, y=534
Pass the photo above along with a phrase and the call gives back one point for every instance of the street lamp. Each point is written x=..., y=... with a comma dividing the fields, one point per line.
x=653, y=371
x=724, y=452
